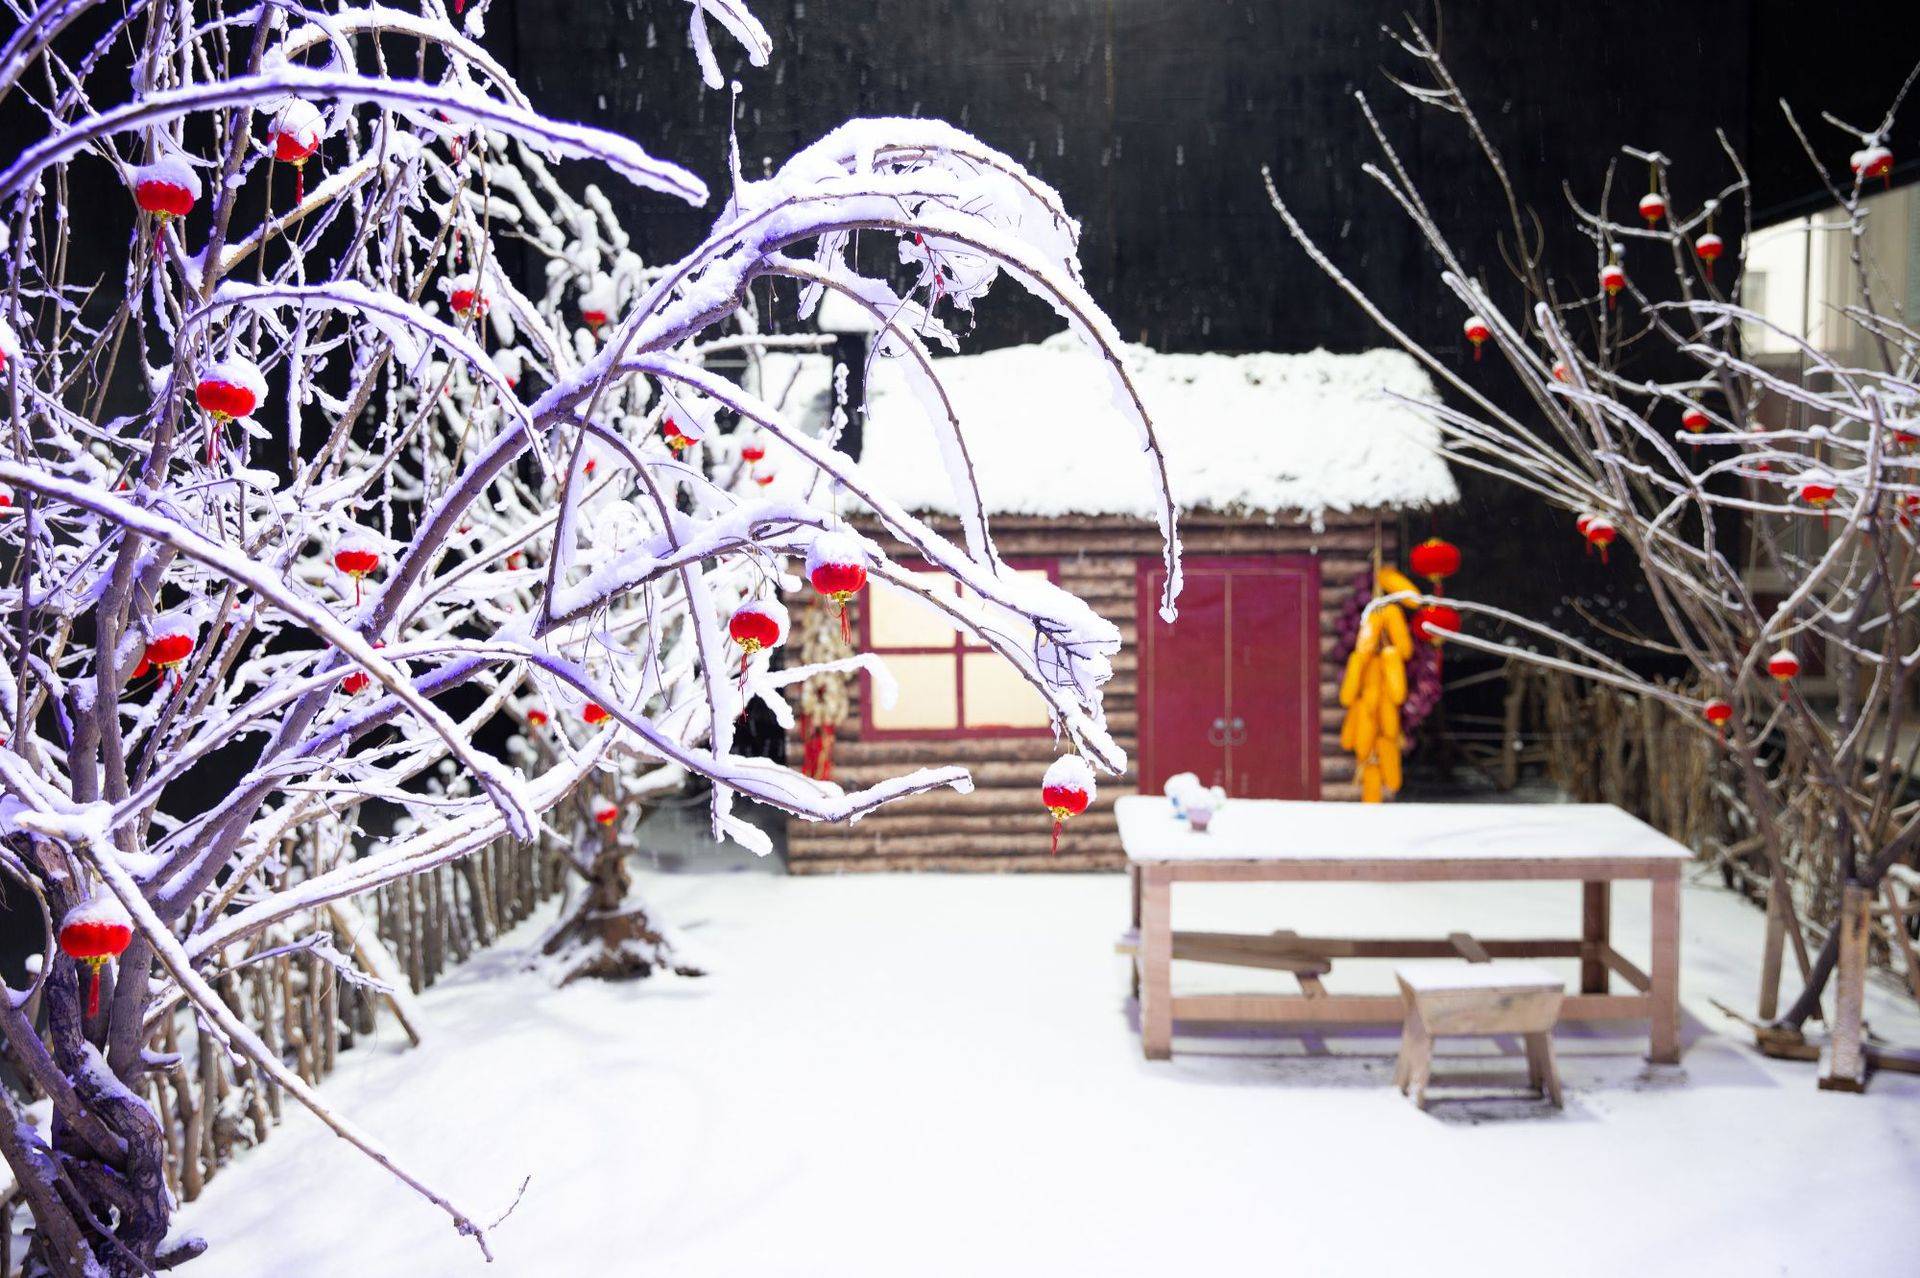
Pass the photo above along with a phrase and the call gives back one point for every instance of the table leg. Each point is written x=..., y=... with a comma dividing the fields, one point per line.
x=1156, y=963
x=1133, y=891
x=1596, y=929
x=1663, y=1032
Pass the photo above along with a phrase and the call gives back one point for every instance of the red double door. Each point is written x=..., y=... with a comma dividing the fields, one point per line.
x=1231, y=691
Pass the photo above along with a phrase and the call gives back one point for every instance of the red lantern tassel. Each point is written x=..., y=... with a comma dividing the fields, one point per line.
x=93, y=988
x=1476, y=352
x=299, y=185
x=846, y=626
x=1603, y=554
x=1056, y=837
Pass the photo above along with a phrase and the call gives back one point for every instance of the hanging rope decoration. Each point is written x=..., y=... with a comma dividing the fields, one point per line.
x=1066, y=790
x=94, y=933
x=837, y=567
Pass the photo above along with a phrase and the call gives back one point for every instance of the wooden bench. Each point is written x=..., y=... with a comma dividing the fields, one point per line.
x=1444, y=997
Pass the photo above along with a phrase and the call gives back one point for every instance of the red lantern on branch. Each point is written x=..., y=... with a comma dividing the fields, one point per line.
x=356, y=554
x=1477, y=332
x=1600, y=533
x=1435, y=623
x=536, y=718
x=232, y=387
x=595, y=714
x=1612, y=280
x=681, y=433
x=93, y=933
x=167, y=188
x=1709, y=248
x=1653, y=207
x=1066, y=790
x=597, y=303
x=1819, y=493
x=837, y=567
x=752, y=454
x=764, y=478
x=295, y=133
x=170, y=642
x=1718, y=712
x=757, y=625
x=1783, y=666
x=1436, y=560
x=357, y=682
x=1872, y=161
x=1561, y=373
x=1693, y=419
x=465, y=297
x=606, y=814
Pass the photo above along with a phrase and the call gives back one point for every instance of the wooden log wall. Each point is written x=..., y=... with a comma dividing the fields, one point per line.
x=1001, y=826
x=213, y=1107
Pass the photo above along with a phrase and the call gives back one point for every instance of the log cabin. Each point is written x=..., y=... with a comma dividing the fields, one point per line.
x=1291, y=471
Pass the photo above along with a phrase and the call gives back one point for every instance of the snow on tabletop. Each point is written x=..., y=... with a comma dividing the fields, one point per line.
x=1253, y=433
x=1275, y=830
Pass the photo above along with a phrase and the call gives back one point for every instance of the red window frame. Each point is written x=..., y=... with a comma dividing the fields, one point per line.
x=959, y=652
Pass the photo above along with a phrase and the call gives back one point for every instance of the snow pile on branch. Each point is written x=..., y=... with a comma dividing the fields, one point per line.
x=1259, y=433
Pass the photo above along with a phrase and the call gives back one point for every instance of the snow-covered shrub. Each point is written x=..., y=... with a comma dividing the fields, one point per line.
x=1768, y=539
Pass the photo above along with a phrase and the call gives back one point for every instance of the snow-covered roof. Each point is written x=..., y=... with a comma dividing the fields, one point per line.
x=1256, y=433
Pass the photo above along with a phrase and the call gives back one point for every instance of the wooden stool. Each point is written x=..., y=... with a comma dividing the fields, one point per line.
x=1445, y=997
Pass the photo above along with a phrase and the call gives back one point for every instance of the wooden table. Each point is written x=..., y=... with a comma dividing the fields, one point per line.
x=1258, y=840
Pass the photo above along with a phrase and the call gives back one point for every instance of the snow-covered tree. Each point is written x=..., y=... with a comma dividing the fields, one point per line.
x=257, y=576
x=1654, y=426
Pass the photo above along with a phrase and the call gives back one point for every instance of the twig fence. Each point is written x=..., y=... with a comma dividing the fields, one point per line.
x=213, y=1106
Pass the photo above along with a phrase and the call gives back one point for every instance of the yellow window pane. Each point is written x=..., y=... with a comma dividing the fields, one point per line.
x=929, y=694
x=999, y=697
x=1031, y=574
x=898, y=620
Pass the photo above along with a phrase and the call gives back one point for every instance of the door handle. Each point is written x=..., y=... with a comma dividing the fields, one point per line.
x=1217, y=734
x=1237, y=731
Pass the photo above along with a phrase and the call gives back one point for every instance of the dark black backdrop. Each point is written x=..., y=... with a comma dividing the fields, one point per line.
x=1153, y=118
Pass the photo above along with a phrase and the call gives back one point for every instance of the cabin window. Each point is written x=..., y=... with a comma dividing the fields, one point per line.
x=950, y=682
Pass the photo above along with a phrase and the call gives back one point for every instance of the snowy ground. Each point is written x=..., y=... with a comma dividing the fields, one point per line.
x=939, y=1075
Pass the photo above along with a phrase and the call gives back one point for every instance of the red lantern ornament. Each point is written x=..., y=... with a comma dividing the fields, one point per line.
x=356, y=683
x=1708, y=249
x=837, y=567
x=1653, y=207
x=295, y=133
x=356, y=554
x=167, y=188
x=1436, y=560
x=6, y=499
x=1600, y=533
x=1783, y=666
x=753, y=454
x=681, y=433
x=1819, y=492
x=465, y=297
x=1693, y=419
x=1718, y=712
x=1477, y=332
x=1561, y=373
x=1872, y=161
x=597, y=303
x=764, y=478
x=170, y=642
x=536, y=718
x=1612, y=279
x=757, y=625
x=232, y=387
x=595, y=714
x=1066, y=790
x=1435, y=623
x=606, y=814
x=92, y=933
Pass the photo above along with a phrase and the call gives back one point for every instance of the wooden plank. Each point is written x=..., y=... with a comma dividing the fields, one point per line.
x=1156, y=963
x=1618, y=962
x=1596, y=923
x=1663, y=1031
x=1469, y=949
x=1843, y=1066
